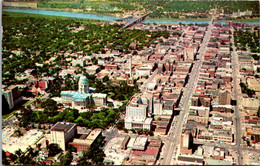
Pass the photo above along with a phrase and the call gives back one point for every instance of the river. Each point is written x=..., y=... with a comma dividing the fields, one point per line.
x=105, y=17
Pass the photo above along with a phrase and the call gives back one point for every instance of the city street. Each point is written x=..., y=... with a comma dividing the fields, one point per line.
x=235, y=73
x=174, y=139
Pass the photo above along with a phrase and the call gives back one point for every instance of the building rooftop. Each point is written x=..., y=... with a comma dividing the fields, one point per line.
x=146, y=152
x=62, y=126
x=99, y=95
x=94, y=134
x=186, y=158
x=75, y=95
x=217, y=162
x=82, y=141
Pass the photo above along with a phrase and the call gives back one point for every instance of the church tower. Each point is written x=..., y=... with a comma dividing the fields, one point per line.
x=83, y=85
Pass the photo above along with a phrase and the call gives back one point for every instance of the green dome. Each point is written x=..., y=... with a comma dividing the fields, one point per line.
x=83, y=79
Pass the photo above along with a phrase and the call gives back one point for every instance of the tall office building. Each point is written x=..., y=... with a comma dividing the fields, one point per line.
x=136, y=113
x=186, y=141
x=189, y=53
x=62, y=133
x=224, y=97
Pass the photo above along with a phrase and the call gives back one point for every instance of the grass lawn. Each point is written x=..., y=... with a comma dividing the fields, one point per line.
x=7, y=115
x=28, y=103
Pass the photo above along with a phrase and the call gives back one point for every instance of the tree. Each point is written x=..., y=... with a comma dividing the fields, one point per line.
x=106, y=79
x=150, y=133
x=120, y=124
x=133, y=130
x=4, y=159
x=66, y=159
x=72, y=148
x=125, y=130
x=19, y=153
x=53, y=149
x=135, y=52
x=110, y=105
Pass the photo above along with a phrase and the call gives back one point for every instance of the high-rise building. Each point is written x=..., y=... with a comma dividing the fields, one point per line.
x=12, y=95
x=186, y=141
x=62, y=133
x=158, y=107
x=9, y=97
x=189, y=53
x=136, y=113
x=224, y=97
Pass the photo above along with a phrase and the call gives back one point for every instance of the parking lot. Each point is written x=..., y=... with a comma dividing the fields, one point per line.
x=11, y=144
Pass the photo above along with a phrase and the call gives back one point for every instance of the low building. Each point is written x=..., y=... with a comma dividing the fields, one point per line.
x=92, y=69
x=222, y=108
x=81, y=62
x=137, y=143
x=76, y=99
x=217, y=162
x=190, y=160
x=84, y=144
x=223, y=136
x=99, y=99
x=147, y=156
x=45, y=82
x=125, y=142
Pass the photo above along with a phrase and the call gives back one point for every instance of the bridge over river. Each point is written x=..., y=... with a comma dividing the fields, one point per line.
x=138, y=20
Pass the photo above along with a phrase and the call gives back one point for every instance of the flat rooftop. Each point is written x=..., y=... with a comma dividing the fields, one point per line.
x=62, y=126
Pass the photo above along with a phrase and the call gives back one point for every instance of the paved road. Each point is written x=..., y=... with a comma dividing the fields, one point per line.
x=236, y=95
x=175, y=133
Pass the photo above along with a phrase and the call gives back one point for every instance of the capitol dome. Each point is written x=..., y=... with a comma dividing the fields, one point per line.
x=83, y=79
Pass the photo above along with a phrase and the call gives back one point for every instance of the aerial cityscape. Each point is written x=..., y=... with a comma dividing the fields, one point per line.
x=130, y=82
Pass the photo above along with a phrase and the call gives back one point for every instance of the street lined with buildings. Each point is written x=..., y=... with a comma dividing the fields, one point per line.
x=174, y=140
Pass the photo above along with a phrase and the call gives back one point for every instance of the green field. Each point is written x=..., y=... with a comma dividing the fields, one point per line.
x=183, y=19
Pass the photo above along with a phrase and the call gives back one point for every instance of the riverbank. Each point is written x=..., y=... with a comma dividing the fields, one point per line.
x=88, y=17
x=152, y=19
x=80, y=11
x=242, y=20
x=178, y=19
x=18, y=14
